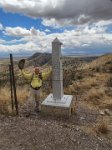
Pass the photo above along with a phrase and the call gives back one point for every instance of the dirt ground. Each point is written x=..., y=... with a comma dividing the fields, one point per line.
x=36, y=132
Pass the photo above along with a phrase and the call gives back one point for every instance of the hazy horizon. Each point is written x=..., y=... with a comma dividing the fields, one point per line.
x=30, y=54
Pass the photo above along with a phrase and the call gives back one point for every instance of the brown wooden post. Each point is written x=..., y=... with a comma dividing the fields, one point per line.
x=14, y=84
x=11, y=87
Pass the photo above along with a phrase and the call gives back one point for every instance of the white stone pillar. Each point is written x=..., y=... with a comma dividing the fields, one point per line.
x=57, y=77
x=57, y=103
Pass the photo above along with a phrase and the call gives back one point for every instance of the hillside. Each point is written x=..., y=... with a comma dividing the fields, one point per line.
x=103, y=63
x=39, y=59
x=90, y=126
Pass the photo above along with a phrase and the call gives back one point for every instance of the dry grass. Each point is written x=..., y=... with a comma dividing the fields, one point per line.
x=5, y=98
x=95, y=96
x=109, y=82
x=101, y=128
x=22, y=94
x=99, y=62
x=4, y=94
x=86, y=84
x=89, y=82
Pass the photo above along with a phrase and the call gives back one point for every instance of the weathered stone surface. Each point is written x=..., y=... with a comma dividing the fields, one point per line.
x=58, y=108
x=57, y=70
x=57, y=103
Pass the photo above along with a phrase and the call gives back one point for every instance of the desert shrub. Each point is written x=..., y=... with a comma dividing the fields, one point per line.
x=101, y=128
x=97, y=69
x=108, y=91
x=74, y=88
x=1, y=82
x=110, y=68
x=108, y=106
x=109, y=62
x=109, y=82
x=95, y=95
x=80, y=77
x=87, y=83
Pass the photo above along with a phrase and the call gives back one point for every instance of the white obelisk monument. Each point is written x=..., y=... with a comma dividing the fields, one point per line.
x=57, y=77
x=57, y=103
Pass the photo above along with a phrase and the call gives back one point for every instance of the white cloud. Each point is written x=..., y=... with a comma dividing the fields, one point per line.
x=38, y=41
x=2, y=41
x=51, y=22
x=1, y=27
x=90, y=17
x=104, y=23
x=26, y=47
x=72, y=11
x=47, y=30
x=22, y=32
x=57, y=23
x=17, y=31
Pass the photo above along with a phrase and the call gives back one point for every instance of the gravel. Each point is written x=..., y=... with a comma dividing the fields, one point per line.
x=39, y=133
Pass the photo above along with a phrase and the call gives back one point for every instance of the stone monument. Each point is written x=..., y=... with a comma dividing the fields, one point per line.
x=57, y=103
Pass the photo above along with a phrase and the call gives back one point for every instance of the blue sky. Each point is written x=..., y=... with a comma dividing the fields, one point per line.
x=30, y=26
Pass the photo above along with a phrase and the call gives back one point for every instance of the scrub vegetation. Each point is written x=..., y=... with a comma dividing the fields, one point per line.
x=90, y=82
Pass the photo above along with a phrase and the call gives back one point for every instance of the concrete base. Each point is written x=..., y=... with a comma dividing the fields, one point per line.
x=61, y=107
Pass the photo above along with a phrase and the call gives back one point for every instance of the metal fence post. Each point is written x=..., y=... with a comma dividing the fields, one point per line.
x=11, y=87
x=14, y=84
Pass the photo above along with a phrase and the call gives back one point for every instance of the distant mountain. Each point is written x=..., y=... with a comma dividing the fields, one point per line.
x=35, y=55
x=39, y=59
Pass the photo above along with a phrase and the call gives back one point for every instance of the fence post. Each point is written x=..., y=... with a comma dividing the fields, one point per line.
x=11, y=87
x=14, y=85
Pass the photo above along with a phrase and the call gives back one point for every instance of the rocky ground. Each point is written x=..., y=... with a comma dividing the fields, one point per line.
x=35, y=132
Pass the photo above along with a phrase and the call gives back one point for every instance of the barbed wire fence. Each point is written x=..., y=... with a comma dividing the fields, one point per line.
x=8, y=86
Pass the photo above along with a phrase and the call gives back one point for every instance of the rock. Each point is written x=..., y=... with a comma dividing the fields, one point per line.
x=107, y=112
x=102, y=112
x=82, y=118
x=77, y=129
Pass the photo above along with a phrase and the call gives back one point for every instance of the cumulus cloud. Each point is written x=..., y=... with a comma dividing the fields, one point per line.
x=77, y=12
x=17, y=31
x=33, y=40
x=21, y=32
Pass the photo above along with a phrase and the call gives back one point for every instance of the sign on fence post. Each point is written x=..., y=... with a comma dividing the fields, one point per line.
x=57, y=103
x=14, y=84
